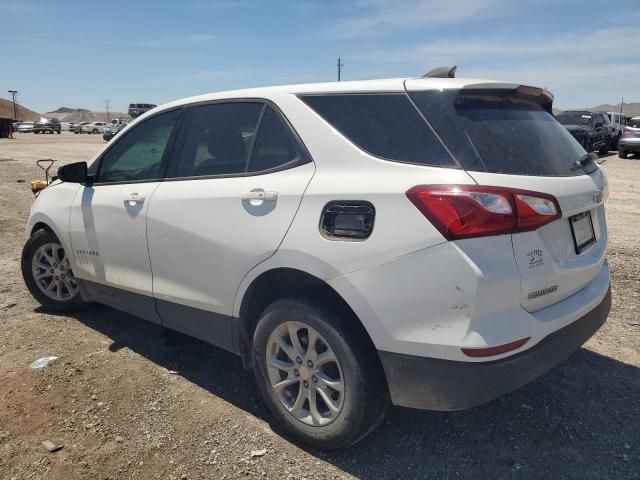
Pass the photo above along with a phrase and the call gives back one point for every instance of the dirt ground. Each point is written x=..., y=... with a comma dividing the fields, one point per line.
x=129, y=400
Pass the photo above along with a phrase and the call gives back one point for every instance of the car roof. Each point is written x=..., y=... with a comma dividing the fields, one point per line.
x=359, y=86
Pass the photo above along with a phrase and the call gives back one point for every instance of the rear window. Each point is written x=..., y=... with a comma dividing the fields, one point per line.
x=385, y=125
x=634, y=123
x=500, y=132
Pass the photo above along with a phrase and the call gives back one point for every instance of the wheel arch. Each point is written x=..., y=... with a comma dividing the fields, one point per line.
x=288, y=282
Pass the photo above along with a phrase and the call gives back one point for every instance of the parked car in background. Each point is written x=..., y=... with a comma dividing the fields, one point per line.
x=137, y=109
x=630, y=139
x=77, y=127
x=591, y=129
x=112, y=129
x=26, y=127
x=47, y=125
x=618, y=122
x=94, y=127
x=426, y=242
x=15, y=126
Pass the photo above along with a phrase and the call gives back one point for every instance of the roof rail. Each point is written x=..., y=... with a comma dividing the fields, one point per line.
x=441, y=72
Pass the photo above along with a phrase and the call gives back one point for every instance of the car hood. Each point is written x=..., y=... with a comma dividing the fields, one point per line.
x=577, y=128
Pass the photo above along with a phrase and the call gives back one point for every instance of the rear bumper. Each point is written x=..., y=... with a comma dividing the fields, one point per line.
x=437, y=384
x=630, y=146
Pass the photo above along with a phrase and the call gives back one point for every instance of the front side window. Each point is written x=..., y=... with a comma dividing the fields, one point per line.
x=384, y=125
x=275, y=145
x=219, y=139
x=138, y=155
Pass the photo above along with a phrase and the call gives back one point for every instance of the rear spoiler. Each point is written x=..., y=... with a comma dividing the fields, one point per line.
x=541, y=96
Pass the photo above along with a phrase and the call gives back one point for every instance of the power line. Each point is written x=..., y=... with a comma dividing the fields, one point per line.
x=14, y=94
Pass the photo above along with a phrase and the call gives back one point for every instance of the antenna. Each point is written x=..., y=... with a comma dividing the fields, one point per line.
x=441, y=72
x=340, y=65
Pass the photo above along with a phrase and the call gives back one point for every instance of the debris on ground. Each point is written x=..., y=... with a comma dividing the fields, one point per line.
x=52, y=447
x=40, y=363
x=258, y=453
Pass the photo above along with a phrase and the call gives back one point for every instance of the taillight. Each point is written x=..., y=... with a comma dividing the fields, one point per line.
x=466, y=211
x=627, y=130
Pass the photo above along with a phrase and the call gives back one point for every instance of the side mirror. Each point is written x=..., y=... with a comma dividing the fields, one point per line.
x=74, y=173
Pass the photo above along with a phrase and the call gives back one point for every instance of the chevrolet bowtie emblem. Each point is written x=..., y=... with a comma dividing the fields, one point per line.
x=598, y=196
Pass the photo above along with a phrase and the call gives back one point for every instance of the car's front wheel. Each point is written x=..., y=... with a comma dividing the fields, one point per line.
x=321, y=380
x=47, y=273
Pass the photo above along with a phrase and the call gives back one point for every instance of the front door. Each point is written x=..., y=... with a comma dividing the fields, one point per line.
x=234, y=193
x=109, y=219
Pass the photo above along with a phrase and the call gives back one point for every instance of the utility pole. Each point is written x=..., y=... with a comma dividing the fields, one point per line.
x=14, y=93
x=621, y=104
x=106, y=104
x=340, y=65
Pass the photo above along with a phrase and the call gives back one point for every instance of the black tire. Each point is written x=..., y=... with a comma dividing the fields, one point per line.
x=622, y=153
x=366, y=400
x=94, y=131
x=37, y=240
x=588, y=145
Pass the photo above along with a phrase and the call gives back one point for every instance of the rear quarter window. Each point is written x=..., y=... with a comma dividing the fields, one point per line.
x=385, y=125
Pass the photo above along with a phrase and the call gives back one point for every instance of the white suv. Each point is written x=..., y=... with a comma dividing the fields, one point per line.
x=94, y=127
x=427, y=242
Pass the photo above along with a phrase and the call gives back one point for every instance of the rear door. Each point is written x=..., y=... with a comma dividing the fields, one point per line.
x=507, y=137
x=234, y=191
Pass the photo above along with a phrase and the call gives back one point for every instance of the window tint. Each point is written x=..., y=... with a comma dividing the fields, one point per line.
x=385, y=125
x=138, y=155
x=275, y=144
x=502, y=132
x=219, y=139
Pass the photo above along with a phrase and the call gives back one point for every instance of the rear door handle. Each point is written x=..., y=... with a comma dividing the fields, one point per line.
x=134, y=198
x=260, y=195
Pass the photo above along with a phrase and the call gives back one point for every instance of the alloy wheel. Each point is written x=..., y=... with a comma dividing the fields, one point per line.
x=305, y=374
x=52, y=272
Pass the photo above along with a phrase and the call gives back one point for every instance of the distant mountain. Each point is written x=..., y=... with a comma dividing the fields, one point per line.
x=70, y=110
x=24, y=114
x=629, y=109
x=76, y=115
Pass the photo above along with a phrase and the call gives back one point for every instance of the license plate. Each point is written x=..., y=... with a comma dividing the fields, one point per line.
x=582, y=229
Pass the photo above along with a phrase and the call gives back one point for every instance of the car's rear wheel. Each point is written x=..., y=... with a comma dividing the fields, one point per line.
x=94, y=131
x=622, y=153
x=47, y=273
x=320, y=379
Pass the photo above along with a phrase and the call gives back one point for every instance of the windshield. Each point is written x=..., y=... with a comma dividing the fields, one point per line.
x=574, y=119
x=500, y=132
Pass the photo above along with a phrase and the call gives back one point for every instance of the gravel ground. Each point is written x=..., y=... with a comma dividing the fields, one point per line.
x=127, y=399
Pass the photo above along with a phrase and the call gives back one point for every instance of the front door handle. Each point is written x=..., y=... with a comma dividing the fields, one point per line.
x=134, y=198
x=260, y=195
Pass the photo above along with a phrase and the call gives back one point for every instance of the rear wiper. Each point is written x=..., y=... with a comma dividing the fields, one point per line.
x=585, y=160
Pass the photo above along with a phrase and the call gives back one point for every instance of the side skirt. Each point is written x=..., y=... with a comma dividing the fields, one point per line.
x=214, y=328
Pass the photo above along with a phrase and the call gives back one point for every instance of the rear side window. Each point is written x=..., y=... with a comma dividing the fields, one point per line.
x=275, y=145
x=219, y=139
x=385, y=125
x=501, y=132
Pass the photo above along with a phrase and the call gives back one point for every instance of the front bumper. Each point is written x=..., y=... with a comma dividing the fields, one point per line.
x=436, y=384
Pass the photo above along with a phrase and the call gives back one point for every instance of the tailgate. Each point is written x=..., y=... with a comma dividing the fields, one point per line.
x=551, y=263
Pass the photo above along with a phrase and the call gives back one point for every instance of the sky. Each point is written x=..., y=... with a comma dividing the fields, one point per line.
x=79, y=54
